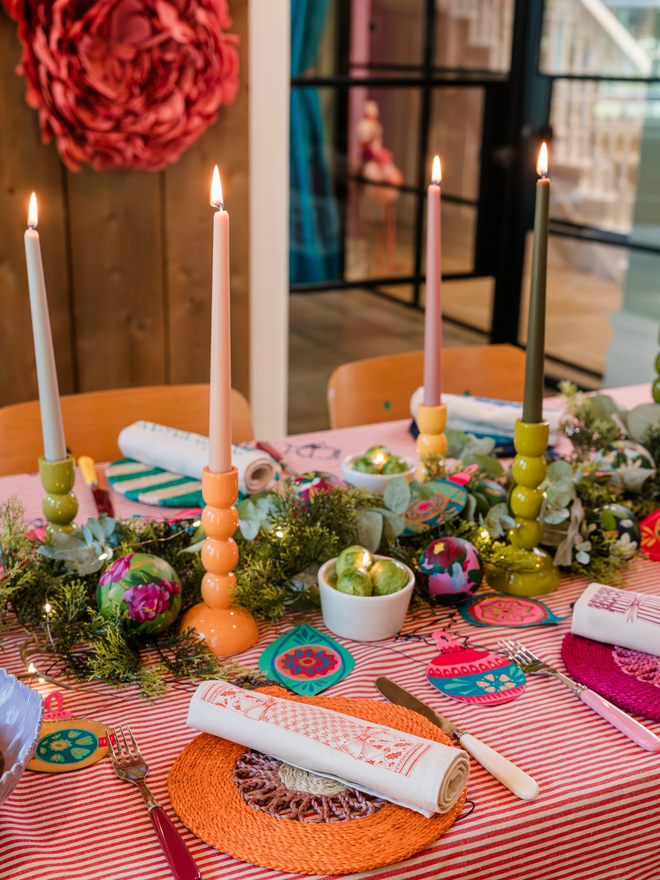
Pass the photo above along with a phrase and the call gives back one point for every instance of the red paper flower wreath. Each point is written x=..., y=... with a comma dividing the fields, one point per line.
x=125, y=83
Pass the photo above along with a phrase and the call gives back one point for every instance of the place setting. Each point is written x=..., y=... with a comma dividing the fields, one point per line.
x=424, y=641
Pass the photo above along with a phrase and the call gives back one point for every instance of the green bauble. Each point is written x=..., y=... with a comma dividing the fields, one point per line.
x=655, y=388
x=142, y=590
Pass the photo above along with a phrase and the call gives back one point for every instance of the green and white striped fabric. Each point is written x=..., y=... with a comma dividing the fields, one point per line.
x=152, y=485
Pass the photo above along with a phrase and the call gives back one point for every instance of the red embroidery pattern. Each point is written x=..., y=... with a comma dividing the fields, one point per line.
x=630, y=604
x=372, y=744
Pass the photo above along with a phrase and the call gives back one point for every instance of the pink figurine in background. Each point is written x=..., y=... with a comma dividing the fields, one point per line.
x=378, y=166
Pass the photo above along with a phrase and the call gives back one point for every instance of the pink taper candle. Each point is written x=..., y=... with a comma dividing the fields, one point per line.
x=433, y=309
x=220, y=403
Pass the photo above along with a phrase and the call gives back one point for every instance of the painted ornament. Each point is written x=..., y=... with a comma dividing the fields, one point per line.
x=450, y=569
x=624, y=454
x=67, y=743
x=488, y=493
x=317, y=481
x=423, y=514
x=617, y=521
x=306, y=661
x=501, y=609
x=141, y=589
x=473, y=675
x=650, y=531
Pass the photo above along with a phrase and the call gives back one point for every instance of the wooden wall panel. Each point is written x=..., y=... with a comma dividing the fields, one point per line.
x=127, y=254
x=25, y=166
x=117, y=269
x=189, y=233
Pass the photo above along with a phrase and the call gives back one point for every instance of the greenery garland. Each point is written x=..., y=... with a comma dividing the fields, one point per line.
x=283, y=538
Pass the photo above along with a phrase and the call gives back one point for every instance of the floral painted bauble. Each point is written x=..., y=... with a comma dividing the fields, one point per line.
x=314, y=481
x=616, y=520
x=142, y=590
x=624, y=454
x=450, y=569
x=473, y=675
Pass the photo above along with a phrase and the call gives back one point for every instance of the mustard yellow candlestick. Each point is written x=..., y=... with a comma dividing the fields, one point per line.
x=226, y=628
x=60, y=504
x=431, y=441
x=538, y=575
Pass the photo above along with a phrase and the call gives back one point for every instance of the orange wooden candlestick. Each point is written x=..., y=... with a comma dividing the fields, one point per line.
x=226, y=628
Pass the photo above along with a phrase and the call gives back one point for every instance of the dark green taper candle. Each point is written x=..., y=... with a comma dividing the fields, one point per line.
x=533, y=399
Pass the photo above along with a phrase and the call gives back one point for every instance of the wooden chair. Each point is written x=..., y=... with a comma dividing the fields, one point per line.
x=379, y=389
x=93, y=420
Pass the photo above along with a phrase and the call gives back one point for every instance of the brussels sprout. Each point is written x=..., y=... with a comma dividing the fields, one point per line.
x=387, y=577
x=374, y=449
x=355, y=582
x=395, y=465
x=378, y=456
x=354, y=557
x=364, y=465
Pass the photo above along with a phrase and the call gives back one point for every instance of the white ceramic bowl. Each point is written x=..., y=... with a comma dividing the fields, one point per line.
x=363, y=618
x=375, y=483
x=21, y=711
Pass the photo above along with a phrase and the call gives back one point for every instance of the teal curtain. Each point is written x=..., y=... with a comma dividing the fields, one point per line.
x=314, y=223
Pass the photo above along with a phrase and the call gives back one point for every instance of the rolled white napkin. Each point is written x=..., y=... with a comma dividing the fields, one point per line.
x=618, y=617
x=483, y=415
x=185, y=453
x=425, y=776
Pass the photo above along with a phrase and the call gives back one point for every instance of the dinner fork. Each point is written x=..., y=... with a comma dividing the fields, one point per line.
x=129, y=765
x=629, y=726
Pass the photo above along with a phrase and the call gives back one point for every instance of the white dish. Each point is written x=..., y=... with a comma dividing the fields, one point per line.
x=363, y=618
x=375, y=483
x=21, y=712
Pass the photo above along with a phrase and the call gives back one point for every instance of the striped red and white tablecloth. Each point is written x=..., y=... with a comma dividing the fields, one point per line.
x=597, y=817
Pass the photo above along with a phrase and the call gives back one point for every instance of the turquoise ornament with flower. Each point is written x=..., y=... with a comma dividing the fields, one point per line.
x=141, y=590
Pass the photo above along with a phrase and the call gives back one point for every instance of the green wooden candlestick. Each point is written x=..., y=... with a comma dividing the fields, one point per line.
x=538, y=574
x=655, y=388
x=60, y=503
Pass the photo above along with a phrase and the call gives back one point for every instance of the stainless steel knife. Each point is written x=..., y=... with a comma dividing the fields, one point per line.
x=516, y=780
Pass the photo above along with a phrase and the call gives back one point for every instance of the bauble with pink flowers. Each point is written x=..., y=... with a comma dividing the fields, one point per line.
x=142, y=591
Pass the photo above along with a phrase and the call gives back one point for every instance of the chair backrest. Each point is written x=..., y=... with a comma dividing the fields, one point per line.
x=93, y=420
x=379, y=389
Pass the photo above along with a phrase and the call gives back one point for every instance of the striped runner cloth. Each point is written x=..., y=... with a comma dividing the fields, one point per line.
x=597, y=817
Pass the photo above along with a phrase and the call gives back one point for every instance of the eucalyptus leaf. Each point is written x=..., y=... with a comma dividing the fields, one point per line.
x=498, y=521
x=422, y=490
x=96, y=530
x=194, y=548
x=480, y=445
x=470, y=508
x=603, y=406
x=559, y=470
x=393, y=524
x=397, y=495
x=369, y=525
x=456, y=443
x=485, y=462
x=561, y=493
x=248, y=520
x=641, y=418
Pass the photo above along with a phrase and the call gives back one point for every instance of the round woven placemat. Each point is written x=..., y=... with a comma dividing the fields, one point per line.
x=594, y=664
x=209, y=803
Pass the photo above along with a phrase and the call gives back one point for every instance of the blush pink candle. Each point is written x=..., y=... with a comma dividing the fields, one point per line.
x=220, y=400
x=433, y=308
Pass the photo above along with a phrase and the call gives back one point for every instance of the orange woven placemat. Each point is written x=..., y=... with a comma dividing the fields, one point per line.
x=208, y=802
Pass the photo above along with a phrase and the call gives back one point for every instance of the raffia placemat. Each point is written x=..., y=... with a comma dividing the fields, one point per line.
x=209, y=803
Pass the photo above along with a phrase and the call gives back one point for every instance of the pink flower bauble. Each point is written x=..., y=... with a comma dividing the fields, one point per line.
x=125, y=83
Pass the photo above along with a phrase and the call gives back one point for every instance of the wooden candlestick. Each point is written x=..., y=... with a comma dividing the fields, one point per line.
x=431, y=441
x=540, y=575
x=226, y=628
x=60, y=504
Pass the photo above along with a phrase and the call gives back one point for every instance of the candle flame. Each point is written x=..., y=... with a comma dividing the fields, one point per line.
x=32, y=668
x=33, y=217
x=47, y=608
x=542, y=164
x=216, y=191
x=436, y=174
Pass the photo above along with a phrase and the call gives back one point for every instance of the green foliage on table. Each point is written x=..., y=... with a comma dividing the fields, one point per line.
x=84, y=644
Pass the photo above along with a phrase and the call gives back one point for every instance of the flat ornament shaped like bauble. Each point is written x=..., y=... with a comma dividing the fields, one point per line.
x=450, y=569
x=624, y=454
x=141, y=589
x=423, y=514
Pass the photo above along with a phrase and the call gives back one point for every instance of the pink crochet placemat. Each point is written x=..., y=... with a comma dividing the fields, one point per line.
x=629, y=679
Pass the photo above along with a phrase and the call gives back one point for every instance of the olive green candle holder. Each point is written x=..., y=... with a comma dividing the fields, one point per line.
x=533, y=572
x=431, y=440
x=60, y=504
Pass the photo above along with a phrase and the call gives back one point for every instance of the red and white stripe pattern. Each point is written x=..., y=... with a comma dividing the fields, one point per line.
x=597, y=817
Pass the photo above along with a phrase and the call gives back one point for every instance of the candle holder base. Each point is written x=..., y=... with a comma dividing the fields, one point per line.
x=535, y=573
x=60, y=504
x=431, y=441
x=226, y=628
